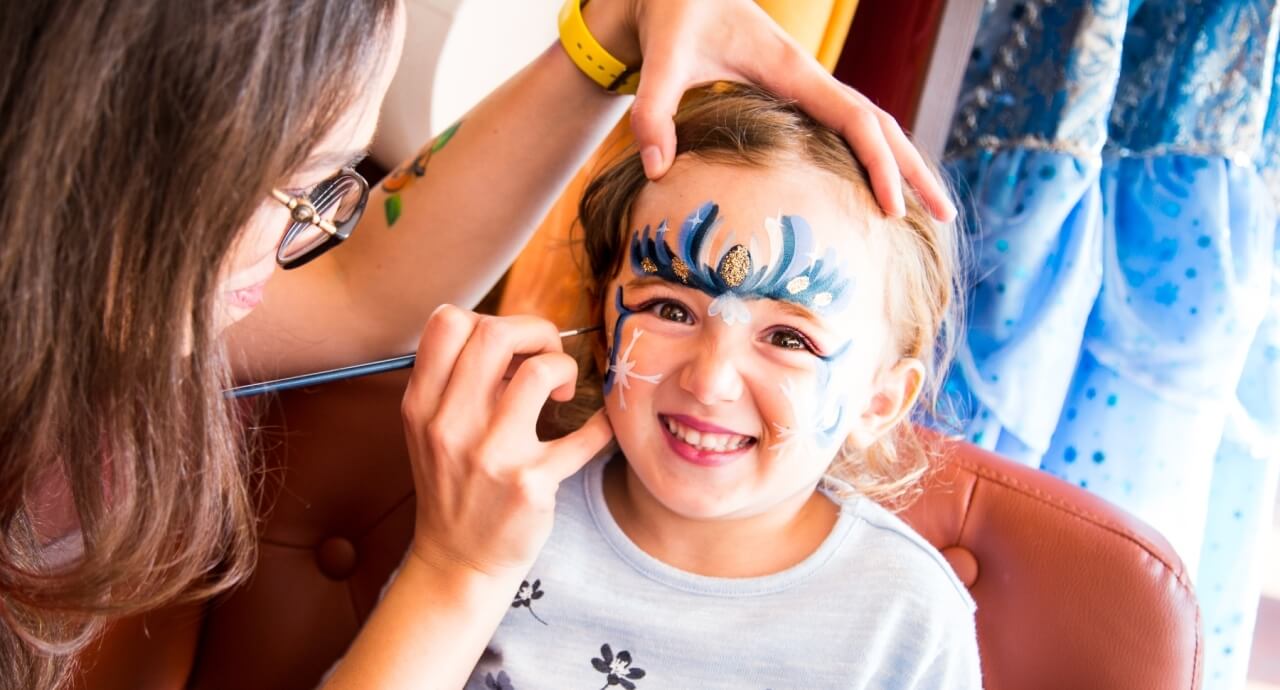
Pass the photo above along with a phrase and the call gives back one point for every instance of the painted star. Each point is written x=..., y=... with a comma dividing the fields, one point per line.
x=624, y=370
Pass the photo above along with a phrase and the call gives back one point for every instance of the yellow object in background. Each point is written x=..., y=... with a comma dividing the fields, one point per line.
x=821, y=26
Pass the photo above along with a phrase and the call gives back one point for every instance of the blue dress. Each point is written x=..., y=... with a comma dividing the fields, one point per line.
x=1118, y=170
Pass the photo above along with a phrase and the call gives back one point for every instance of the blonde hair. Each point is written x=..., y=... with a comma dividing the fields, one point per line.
x=744, y=125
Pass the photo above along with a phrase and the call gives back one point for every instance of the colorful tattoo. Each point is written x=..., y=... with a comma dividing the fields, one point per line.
x=410, y=171
x=793, y=270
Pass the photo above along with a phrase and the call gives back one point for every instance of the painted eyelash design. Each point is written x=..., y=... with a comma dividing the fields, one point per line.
x=809, y=345
x=656, y=301
x=798, y=274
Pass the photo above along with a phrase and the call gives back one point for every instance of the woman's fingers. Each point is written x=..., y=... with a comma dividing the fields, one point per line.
x=848, y=112
x=443, y=339
x=661, y=88
x=483, y=362
x=568, y=454
x=689, y=42
x=915, y=171
x=538, y=378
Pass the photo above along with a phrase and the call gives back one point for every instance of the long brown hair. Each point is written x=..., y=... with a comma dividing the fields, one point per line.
x=745, y=125
x=136, y=140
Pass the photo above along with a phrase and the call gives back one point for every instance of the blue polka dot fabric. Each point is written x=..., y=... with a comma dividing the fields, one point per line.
x=1117, y=164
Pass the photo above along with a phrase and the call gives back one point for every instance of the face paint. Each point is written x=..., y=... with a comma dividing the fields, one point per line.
x=794, y=272
x=818, y=417
x=621, y=367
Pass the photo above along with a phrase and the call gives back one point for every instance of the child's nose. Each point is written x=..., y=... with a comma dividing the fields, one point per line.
x=712, y=376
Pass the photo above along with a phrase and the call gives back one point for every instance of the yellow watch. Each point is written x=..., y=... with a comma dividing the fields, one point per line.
x=591, y=57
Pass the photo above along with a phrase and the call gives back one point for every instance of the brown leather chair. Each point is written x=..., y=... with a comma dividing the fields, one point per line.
x=1072, y=592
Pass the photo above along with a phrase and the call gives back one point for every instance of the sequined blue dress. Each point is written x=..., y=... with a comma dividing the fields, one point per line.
x=1118, y=167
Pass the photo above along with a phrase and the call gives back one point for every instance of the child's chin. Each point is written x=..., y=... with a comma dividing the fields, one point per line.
x=693, y=505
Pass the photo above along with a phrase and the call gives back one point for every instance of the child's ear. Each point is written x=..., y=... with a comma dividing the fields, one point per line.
x=897, y=389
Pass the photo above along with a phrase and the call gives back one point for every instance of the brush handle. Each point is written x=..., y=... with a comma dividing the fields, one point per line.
x=350, y=372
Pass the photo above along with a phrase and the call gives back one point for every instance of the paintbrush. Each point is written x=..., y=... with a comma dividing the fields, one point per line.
x=350, y=372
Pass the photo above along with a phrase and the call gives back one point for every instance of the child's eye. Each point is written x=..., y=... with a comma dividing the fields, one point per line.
x=788, y=339
x=671, y=311
x=665, y=309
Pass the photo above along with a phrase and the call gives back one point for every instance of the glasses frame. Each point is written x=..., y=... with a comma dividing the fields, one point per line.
x=309, y=210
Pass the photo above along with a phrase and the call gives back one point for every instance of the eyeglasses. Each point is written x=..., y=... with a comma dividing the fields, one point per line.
x=322, y=219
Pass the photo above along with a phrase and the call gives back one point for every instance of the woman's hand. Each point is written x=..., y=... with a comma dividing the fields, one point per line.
x=685, y=43
x=486, y=485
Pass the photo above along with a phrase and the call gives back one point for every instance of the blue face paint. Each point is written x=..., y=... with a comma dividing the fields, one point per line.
x=623, y=315
x=622, y=367
x=828, y=433
x=790, y=269
x=818, y=416
x=799, y=275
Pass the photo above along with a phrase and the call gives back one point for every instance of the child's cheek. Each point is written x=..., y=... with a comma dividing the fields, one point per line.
x=626, y=373
x=808, y=412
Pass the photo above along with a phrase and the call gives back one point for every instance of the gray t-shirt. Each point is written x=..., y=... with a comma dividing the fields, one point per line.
x=875, y=606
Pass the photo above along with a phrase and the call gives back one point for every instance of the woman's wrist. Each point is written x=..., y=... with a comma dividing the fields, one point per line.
x=459, y=576
x=612, y=22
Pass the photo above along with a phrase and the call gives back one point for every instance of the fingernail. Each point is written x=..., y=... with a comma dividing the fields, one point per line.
x=950, y=211
x=651, y=157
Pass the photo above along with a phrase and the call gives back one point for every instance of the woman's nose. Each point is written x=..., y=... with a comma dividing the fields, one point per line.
x=712, y=376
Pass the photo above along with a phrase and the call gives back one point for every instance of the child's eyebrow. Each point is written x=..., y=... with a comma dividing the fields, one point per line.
x=792, y=308
x=797, y=310
x=646, y=281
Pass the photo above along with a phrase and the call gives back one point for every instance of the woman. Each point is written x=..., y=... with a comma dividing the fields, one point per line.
x=151, y=155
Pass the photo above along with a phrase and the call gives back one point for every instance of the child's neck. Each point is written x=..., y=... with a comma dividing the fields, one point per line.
x=779, y=538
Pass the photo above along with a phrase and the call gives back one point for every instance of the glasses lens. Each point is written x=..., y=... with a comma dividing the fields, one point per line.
x=342, y=201
x=301, y=239
x=339, y=202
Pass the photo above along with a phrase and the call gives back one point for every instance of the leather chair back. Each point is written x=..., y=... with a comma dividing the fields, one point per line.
x=1072, y=592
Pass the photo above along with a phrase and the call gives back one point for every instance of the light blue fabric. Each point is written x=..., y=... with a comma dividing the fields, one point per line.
x=1118, y=161
x=1245, y=476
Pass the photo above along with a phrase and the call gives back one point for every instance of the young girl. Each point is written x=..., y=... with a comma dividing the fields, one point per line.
x=767, y=333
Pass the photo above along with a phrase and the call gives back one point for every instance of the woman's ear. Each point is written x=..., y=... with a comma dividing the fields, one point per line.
x=896, y=391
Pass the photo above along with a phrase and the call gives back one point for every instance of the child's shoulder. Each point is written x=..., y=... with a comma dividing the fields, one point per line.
x=899, y=549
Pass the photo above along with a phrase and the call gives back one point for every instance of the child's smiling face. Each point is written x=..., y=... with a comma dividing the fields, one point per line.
x=749, y=336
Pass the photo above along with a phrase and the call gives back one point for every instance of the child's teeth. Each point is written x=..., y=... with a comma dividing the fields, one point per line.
x=706, y=441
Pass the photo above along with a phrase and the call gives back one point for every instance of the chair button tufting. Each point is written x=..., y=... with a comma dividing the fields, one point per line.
x=963, y=562
x=336, y=557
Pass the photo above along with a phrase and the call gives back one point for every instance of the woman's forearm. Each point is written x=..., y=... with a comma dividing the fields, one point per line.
x=428, y=631
x=450, y=232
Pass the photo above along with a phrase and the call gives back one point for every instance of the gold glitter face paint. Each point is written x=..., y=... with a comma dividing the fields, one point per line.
x=788, y=268
x=735, y=266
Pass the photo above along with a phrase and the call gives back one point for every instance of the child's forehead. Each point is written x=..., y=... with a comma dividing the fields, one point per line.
x=748, y=196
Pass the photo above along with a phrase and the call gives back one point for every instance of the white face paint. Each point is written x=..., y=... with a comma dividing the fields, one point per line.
x=756, y=351
x=731, y=308
x=623, y=370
